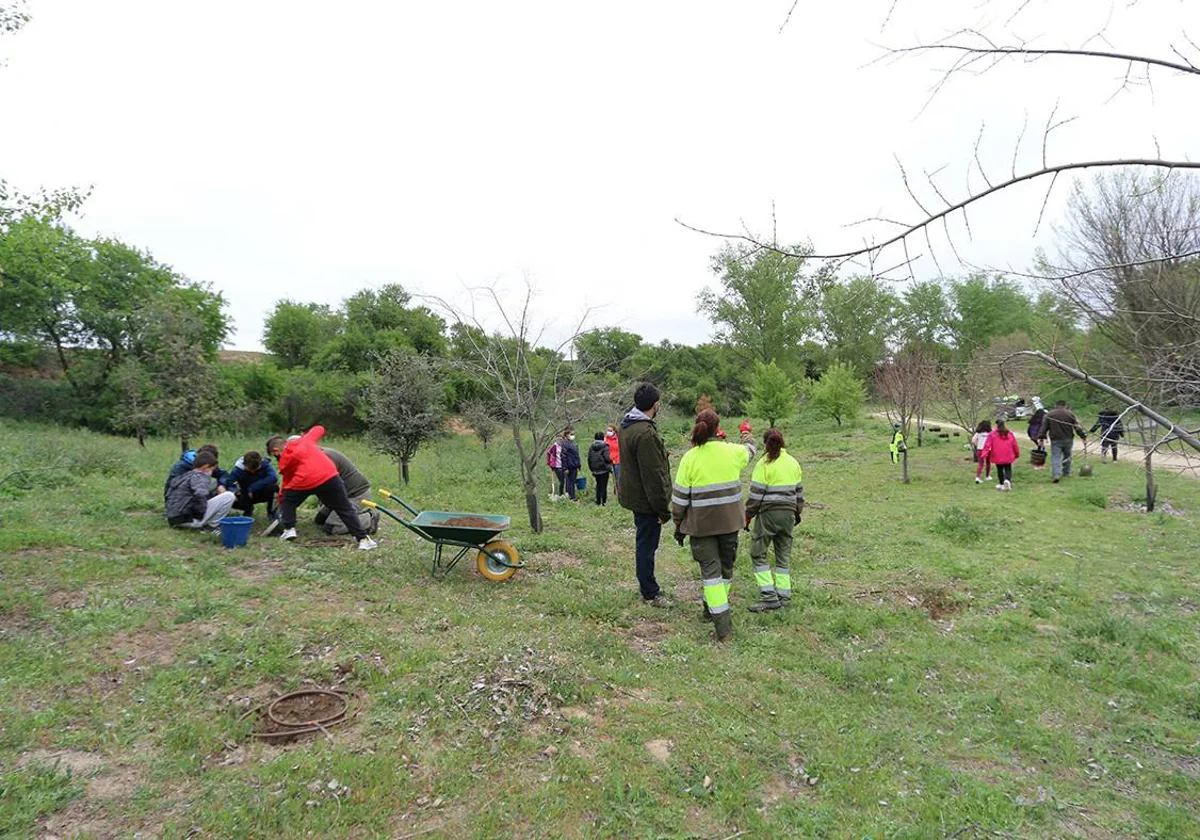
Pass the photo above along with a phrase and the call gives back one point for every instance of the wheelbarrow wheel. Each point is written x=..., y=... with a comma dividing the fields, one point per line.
x=490, y=567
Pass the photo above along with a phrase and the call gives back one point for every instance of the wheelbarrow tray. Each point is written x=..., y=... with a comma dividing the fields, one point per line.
x=433, y=523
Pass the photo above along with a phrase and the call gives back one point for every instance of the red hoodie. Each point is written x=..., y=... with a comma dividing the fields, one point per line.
x=614, y=448
x=302, y=464
x=1001, y=450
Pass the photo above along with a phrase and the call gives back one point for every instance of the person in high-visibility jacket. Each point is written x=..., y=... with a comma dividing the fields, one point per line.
x=775, y=505
x=706, y=505
x=897, y=445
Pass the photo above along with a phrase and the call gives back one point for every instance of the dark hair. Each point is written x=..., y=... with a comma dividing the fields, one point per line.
x=645, y=397
x=273, y=443
x=1038, y=415
x=252, y=461
x=1001, y=427
x=773, y=441
x=599, y=435
x=707, y=423
x=1061, y=404
x=204, y=458
x=208, y=447
x=983, y=427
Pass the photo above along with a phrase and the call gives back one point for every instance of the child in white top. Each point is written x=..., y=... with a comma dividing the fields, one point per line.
x=977, y=443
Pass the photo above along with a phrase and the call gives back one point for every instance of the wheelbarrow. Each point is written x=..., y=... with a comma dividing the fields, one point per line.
x=496, y=559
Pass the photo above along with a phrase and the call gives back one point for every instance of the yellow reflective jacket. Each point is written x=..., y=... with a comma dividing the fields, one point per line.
x=776, y=485
x=707, y=495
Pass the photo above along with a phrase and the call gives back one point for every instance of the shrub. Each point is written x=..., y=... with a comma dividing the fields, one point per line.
x=955, y=524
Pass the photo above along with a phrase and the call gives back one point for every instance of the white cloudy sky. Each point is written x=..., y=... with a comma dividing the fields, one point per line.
x=307, y=150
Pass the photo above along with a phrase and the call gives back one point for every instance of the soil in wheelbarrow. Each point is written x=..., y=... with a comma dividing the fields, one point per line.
x=468, y=522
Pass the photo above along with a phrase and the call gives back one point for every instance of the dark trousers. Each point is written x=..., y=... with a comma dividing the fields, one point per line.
x=559, y=474
x=649, y=531
x=570, y=477
x=601, y=488
x=332, y=494
x=245, y=502
x=1105, y=445
x=1003, y=473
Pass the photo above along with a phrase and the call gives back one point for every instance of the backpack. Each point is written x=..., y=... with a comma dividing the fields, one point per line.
x=552, y=456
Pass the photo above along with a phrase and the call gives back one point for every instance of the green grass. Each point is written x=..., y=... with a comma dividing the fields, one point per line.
x=955, y=660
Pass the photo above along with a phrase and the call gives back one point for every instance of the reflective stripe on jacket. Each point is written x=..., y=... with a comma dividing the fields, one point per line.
x=706, y=498
x=776, y=485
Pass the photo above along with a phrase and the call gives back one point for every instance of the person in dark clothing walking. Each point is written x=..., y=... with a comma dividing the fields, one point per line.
x=645, y=486
x=571, y=462
x=600, y=464
x=1111, y=431
x=1061, y=428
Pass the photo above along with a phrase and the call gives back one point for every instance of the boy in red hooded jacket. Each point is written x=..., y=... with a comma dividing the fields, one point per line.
x=1002, y=451
x=307, y=471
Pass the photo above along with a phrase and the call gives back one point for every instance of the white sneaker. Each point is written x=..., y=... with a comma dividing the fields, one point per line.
x=978, y=480
x=1007, y=485
x=367, y=544
x=1001, y=486
x=288, y=535
x=989, y=478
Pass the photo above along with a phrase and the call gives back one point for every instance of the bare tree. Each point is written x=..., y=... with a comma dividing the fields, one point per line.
x=537, y=389
x=904, y=383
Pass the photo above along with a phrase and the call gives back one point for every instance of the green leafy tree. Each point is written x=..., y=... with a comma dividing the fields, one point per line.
x=839, y=393
x=136, y=396
x=606, y=350
x=987, y=308
x=296, y=332
x=858, y=319
x=761, y=307
x=772, y=394
x=483, y=418
x=926, y=315
x=403, y=406
x=178, y=374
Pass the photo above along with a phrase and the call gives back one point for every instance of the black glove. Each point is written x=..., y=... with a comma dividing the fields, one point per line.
x=798, y=518
x=679, y=536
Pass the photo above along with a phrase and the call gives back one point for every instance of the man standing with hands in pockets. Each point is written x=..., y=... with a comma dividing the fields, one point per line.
x=645, y=486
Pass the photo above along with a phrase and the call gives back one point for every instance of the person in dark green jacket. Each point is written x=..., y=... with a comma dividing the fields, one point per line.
x=645, y=487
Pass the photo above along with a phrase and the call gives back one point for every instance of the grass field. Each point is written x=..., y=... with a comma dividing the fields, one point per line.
x=958, y=663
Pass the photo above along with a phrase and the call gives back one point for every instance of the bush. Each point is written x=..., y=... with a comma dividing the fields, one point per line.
x=46, y=400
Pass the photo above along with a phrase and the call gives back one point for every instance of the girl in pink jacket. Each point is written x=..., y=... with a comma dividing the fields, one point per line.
x=1002, y=450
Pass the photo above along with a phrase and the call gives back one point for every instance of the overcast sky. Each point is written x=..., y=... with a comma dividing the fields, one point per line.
x=307, y=150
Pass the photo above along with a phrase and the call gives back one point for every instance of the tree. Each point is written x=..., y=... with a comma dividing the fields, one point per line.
x=926, y=316
x=403, y=406
x=135, y=399
x=839, y=393
x=761, y=308
x=987, y=308
x=904, y=384
x=606, y=349
x=858, y=319
x=295, y=332
x=482, y=417
x=772, y=394
x=538, y=390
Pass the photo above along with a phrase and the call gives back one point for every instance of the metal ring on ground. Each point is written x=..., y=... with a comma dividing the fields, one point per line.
x=308, y=693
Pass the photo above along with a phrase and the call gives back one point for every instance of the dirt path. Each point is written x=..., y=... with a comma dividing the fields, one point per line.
x=1128, y=452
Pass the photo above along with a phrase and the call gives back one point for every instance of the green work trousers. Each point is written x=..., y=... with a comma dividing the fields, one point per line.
x=716, y=555
x=773, y=529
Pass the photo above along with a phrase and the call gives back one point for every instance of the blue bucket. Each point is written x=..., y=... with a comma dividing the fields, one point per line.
x=235, y=530
x=581, y=484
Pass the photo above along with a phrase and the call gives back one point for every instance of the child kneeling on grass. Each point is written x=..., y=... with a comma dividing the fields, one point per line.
x=190, y=502
x=1003, y=451
x=253, y=480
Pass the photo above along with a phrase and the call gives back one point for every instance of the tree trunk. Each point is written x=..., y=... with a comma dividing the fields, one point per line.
x=1151, y=490
x=529, y=468
x=920, y=429
x=141, y=438
x=404, y=470
x=183, y=444
x=904, y=465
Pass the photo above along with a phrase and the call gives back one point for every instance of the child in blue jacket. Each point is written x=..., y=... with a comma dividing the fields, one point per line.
x=252, y=480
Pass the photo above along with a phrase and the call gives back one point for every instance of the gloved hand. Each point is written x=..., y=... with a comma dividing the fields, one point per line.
x=679, y=537
x=798, y=518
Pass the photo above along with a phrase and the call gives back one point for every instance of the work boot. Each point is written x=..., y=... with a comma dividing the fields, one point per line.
x=723, y=624
x=661, y=601
x=765, y=606
x=706, y=615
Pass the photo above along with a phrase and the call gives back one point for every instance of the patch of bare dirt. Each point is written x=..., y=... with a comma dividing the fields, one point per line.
x=258, y=569
x=67, y=599
x=550, y=560
x=459, y=426
x=659, y=749
x=645, y=637
x=115, y=783
x=1139, y=507
x=147, y=648
x=77, y=762
x=826, y=456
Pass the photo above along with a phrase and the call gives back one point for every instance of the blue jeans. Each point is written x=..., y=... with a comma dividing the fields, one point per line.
x=649, y=531
x=1060, y=457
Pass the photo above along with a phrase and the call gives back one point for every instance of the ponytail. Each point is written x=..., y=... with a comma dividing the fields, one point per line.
x=773, y=441
x=705, y=429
